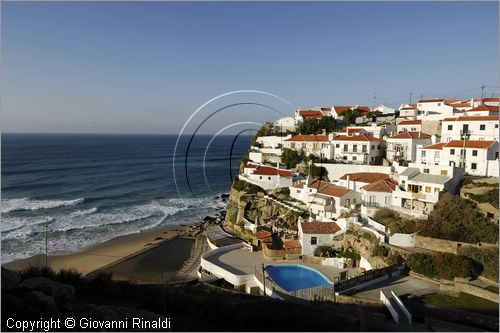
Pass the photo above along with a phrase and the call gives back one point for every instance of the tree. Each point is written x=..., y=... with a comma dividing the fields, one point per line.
x=317, y=172
x=290, y=158
x=350, y=116
x=316, y=126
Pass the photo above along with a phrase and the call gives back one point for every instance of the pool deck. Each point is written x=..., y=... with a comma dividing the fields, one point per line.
x=243, y=262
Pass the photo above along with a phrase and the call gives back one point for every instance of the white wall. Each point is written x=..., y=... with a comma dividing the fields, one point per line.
x=272, y=141
x=403, y=240
x=489, y=133
x=363, y=263
x=337, y=170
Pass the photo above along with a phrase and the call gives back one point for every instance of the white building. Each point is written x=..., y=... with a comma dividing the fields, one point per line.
x=316, y=233
x=358, y=149
x=376, y=195
x=420, y=186
x=372, y=130
x=482, y=110
x=285, y=124
x=384, y=109
x=271, y=141
x=356, y=180
x=325, y=199
x=479, y=127
x=410, y=126
x=316, y=144
x=403, y=146
x=480, y=158
x=435, y=109
x=266, y=177
x=408, y=111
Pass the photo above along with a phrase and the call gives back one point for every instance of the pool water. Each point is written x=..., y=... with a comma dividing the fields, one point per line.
x=296, y=277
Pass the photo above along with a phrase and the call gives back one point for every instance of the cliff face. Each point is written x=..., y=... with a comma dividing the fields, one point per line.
x=357, y=240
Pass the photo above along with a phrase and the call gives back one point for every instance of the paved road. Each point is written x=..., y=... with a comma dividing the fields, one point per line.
x=406, y=285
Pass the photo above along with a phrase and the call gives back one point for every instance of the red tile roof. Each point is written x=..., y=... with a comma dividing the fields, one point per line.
x=334, y=191
x=384, y=185
x=252, y=166
x=461, y=105
x=326, y=109
x=491, y=108
x=291, y=244
x=472, y=118
x=270, y=171
x=264, y=236
x=300, y=185
x=410, y=135
x=437, y=146
x=491, y=99
x=365, y=177
x=319, y=227
x=318, y=184
x=411, y=122
x=309, y=138
x=311, y=114
x=342, y=109
x=361, y=137
x=469, y=144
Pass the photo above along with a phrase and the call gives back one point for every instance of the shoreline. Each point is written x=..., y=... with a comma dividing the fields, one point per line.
x=118, y=249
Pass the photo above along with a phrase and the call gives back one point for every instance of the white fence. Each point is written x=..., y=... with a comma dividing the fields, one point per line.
x=389, y=306
x=374, y=224
x=335, y=262
x=402, y=307
x=403, y=240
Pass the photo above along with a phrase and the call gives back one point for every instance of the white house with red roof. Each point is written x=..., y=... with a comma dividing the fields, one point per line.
x=376, y=195
x=478, y=158
x=267, y=177
x=479, y=128
x=482, y=110
x=358, y=149
x=316, y=113
x=435, y=109
x=324, y=199
x=410, y=126
x=408, y=111
x=316, y=233
x=403, y=146
x=318, y=145
x=285, y=124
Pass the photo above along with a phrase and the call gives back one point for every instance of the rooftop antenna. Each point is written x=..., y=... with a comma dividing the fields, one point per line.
x=482, y=91
x=374, y=99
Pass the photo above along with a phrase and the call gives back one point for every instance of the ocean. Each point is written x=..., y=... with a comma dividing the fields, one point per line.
x=86, y=189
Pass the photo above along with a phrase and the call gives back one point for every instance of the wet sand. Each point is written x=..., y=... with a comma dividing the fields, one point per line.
x=100, y=255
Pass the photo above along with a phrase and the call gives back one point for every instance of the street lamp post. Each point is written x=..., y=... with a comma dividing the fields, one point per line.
x=464, y=135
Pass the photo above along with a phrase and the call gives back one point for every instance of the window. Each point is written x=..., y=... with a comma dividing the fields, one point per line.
x=372, y=159
x=373, y=147
x=378, y=147
x=268, y=178
x=496, y=125
x=387, y=200
x=364, y=147
x=426, y=170
x=465, y=128
x=462, y=152
x=345, y=147
x=496, y=155
x=452, y=151
x=436, y=189
x=353, y=201
x=314, y=240
x=354, y=158
x=473, y=166
x=474, y=152
x=355, y=148
x=337, y=145
x=436, y=154
x=450, y=127
x=444, y=172
x=303, y=145
x=439, y=104
x=315, y=146
x=423, y=153
x=345, y=158
x=292, y=145
x=427, y=189
x=260, y=177
x=482, y=127
x=298, y=191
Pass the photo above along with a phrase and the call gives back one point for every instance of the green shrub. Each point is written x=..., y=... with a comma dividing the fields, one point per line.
x=421, y=263
x=290, y=158
x=324, y=251
x=449, y=265
x=485, y=260
x=396, y=224
x=458, y=219
x=490, y=197
x=380, y=251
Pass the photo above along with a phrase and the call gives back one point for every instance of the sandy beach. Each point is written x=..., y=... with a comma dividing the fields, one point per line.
x=101, y=255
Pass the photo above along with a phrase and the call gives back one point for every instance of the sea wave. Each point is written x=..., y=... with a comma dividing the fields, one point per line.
x=23, y=204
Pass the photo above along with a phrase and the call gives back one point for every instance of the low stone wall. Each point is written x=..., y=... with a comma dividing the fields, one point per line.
x=345, y=299
x=442, y=245
x=460, y=285
x=273, y=253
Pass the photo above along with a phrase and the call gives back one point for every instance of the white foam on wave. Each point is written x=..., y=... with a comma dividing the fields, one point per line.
x=21, y=204
x=82, y=228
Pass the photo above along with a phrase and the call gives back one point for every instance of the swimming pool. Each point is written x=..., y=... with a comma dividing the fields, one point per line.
x=296, y=277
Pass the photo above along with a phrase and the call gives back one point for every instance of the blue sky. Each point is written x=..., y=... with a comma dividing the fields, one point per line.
x=145, y=67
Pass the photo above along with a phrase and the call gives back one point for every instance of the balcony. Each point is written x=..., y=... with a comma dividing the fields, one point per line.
x=370, y=204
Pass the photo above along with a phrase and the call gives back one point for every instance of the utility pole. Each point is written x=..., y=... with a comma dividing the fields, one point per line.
x=421, y=96
x=264, y=278
x=411, y=94
x=482, y=91
x=374, y=99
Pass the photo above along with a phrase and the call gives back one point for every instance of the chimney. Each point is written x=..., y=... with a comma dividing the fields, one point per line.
x=324, y=131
